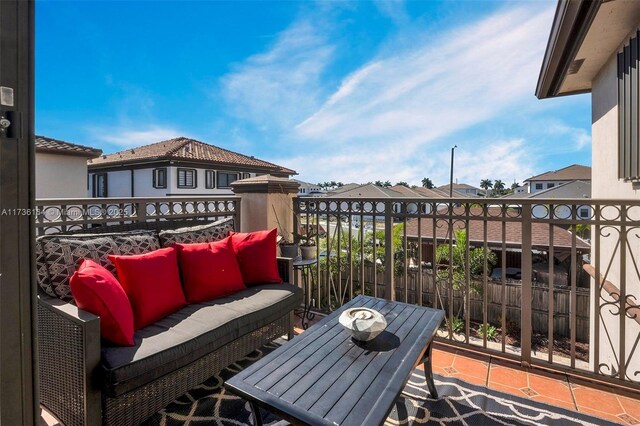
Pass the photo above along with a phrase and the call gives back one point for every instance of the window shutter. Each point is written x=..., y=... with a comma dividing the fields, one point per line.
x=628, y=111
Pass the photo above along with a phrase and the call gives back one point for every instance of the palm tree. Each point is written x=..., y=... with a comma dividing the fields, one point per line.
x=486, y=184
x=402, y=183
x=515, y=185
x=498, y=187
x=427, y=183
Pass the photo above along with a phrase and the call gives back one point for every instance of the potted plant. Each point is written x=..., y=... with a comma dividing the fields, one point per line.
x=306, y=237
x=288, y=246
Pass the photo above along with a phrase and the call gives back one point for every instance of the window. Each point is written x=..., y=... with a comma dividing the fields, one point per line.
x=225, y=179
x=209, y=179
x=584, y=212
x=538, y=186
x=629, y=110
x=550, y=185
x=160, y=178
x=187, y=178
x=246, y=175
x=100, y=185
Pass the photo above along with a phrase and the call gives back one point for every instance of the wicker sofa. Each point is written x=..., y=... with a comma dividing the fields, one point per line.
x=87, y=381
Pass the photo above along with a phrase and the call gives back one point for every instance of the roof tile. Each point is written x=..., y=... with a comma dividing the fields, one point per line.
x=186, y=149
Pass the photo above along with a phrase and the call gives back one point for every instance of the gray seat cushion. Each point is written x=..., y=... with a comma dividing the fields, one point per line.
x=191, y=333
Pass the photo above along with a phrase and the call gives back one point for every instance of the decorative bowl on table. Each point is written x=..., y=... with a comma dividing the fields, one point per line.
x=365, y=324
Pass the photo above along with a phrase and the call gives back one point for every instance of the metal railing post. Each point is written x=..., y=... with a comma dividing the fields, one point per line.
x=527, y=292
x=389, y=292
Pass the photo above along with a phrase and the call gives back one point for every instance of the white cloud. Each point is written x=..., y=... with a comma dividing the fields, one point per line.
x=398, y=114
x=462, y=78
x=394, y=10
x=122, y=137
x=279, y=87
x=579, y=138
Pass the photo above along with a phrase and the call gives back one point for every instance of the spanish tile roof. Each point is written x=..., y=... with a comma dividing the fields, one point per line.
x=420, y=192
x=185, y=149
x=513, y=235
x=55, y=146
x=457, y=186
x=572, y=172
x=367, y=190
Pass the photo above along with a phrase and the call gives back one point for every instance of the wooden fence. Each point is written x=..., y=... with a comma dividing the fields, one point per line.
x=438, y=296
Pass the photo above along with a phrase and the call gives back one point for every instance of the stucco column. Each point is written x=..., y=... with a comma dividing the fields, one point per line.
x=266, y=203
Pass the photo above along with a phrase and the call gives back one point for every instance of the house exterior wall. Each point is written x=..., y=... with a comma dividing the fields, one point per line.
x=605, y=184
x=545, y=185
x=60, y=176
x=119, y=183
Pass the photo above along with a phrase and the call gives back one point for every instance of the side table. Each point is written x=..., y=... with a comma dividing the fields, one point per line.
x=304, y=266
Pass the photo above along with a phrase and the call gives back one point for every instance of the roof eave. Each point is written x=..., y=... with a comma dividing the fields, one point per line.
x=123, y=163
x=55, y=151
x=571, y=22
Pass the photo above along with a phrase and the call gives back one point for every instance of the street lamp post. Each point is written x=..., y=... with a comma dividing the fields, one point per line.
x=451, y=176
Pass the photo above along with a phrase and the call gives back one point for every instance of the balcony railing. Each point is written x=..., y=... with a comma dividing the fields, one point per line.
x=513, y=275
x=73, y=215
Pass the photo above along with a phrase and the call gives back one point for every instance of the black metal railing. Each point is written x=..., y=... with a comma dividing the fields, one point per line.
x=515, y=276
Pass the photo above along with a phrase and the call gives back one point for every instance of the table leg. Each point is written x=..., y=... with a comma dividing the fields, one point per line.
x=255, y=411
x=428, y=374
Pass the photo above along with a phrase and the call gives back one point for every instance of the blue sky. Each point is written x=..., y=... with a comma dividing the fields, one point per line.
x=345, y=91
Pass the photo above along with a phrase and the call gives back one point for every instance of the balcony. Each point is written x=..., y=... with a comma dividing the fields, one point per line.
x=516, y=278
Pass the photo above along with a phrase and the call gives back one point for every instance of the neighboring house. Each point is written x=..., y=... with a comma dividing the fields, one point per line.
x=462, y=190
x=568, y=190
x=519, y=192
x=307, y=189
x=364, y=191
x=61, y=168
x=179, y=166
x=343, y=188
x=494, y=235
x=593, y=47
x=554, y=178
x=420, y=192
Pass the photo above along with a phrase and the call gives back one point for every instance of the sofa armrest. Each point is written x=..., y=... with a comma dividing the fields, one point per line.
x=69, y=356
x=285, y=269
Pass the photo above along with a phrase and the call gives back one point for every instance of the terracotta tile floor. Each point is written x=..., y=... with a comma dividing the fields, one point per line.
x=554, y=389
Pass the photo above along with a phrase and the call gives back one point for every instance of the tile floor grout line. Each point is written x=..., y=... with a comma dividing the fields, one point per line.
x=573, y=397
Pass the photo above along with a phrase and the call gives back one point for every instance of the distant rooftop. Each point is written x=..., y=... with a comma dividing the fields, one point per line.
x=367, y=190
x=420, y=192
x=56, y=146
x=458, y=186
x=494, y=231
x=185, y=149
x=572, y=172
x=572, y=189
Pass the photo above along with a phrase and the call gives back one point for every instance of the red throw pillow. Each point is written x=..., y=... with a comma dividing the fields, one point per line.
x=209, y=270
x=152, y=282
x=96, y=290
x=256, y=254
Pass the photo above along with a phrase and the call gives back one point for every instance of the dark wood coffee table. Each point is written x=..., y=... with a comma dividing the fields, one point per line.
x=324, y=377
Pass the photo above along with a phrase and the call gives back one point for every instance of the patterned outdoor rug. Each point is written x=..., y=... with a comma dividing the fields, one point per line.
x=459, y=403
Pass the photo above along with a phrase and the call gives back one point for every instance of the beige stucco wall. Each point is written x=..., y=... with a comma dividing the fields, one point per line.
x=267, y=211
x=60, y=176
x=606, y=185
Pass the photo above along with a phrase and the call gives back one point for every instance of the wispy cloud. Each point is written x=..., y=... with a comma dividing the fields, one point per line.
x=394, y=10
x=121, y=138
x=462, y=78
x=397, y=115
x=579, y=138
x=399, y=108
x=279, y=87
